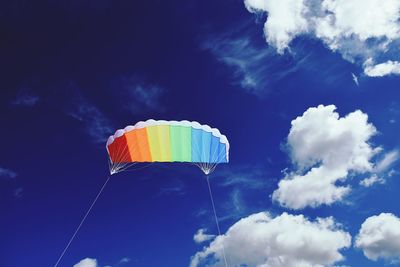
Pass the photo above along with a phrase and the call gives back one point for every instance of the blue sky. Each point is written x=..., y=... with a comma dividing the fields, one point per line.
x=308, y=99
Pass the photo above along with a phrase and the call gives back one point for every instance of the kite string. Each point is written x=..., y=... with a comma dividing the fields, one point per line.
x=216, y=219
x=82, y=221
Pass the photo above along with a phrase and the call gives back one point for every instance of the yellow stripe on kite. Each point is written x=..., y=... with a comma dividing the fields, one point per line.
x=159, y=141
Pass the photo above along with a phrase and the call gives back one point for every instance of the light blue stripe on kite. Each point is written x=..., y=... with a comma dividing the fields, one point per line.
x=214, y=151
x=207, y=148
x=222, y=153
x=196, y=145
x=206, y=145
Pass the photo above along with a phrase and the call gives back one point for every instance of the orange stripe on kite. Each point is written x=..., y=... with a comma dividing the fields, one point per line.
x=138, y=144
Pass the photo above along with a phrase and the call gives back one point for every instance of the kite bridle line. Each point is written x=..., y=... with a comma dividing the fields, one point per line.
x=208, y=168
x=82, y=221
x=216, y=219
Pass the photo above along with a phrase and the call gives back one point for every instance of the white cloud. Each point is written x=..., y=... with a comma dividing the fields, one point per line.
x=201, y=236
x=325, y=148
x=383, y=69
x=88, y=262
x=279, y=31
x=373, y=179
x=363, y=18
x=379, y=237
x=284, y=241
x=358, y=29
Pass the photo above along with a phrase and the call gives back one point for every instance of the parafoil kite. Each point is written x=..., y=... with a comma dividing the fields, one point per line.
x=164, y=141
x=167, y=141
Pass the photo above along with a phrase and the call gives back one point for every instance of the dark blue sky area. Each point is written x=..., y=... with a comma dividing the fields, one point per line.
x=72, y=72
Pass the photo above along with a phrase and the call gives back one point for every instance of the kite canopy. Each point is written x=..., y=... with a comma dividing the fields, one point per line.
x=167, y=141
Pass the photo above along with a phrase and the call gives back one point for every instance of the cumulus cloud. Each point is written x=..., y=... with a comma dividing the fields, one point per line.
x=201, y=236
x=278, y=31
x=363, y=31
x=379, y=237
x=284, y=241
x=325, y=148
x=88, y=262
x=383, y=69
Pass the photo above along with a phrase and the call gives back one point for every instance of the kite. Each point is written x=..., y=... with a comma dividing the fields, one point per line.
x=165, y=142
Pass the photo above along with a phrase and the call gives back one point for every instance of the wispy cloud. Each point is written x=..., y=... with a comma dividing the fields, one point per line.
x=25, y=98
x=394, y=112
x=124, y=260
x=139, y=96
x=382, y=169
x=256, y=67
x=355, y=78
x=387, y=161
x=148, y=96
x=9, y=176
x=7, y=173
x=240, y=184
x=175, y=187
x=18, y=192
x=249, y=177
x=95, y=123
